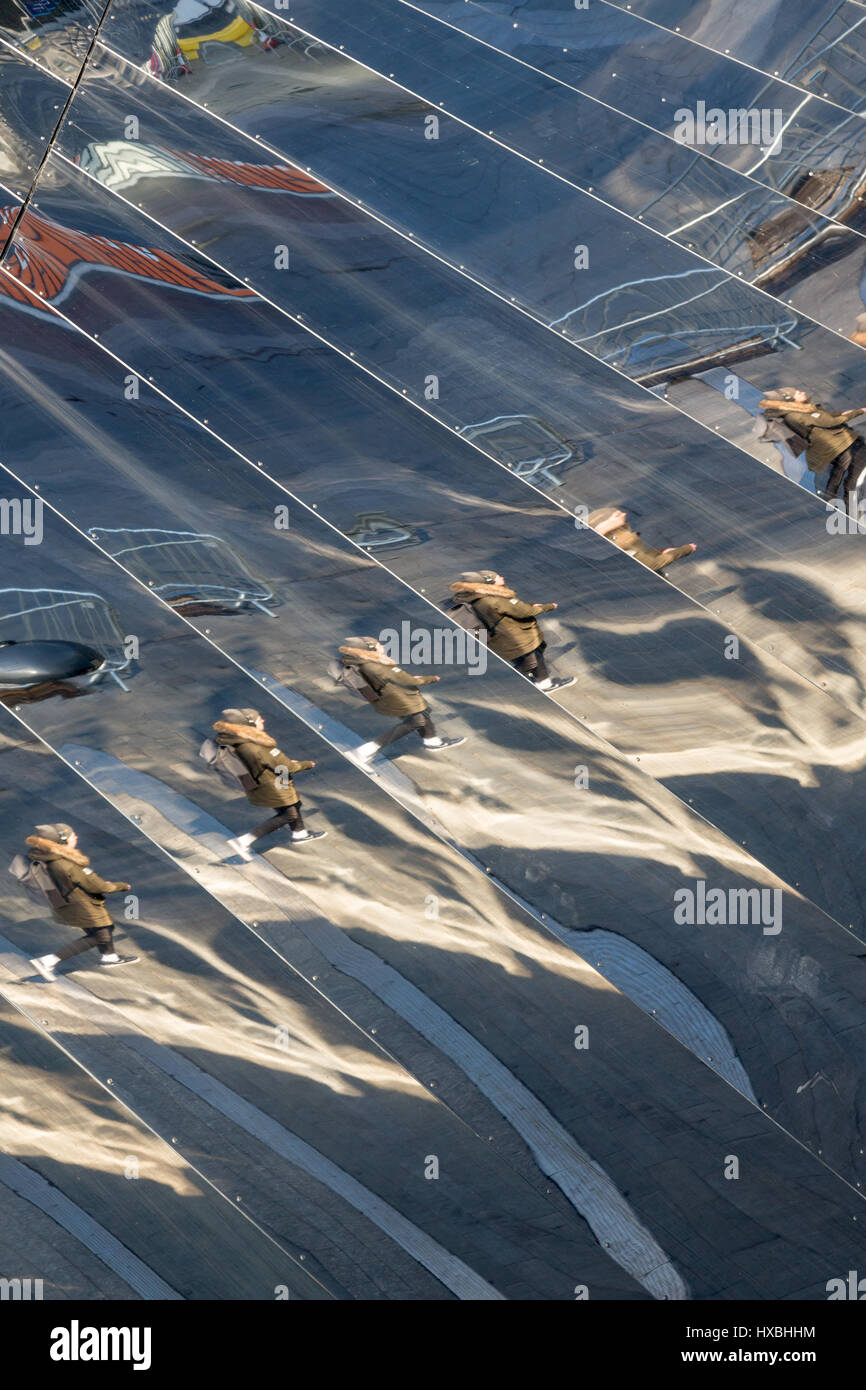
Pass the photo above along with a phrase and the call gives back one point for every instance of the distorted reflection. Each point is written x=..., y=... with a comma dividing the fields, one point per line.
x=122, y=164
x=529, y=446
x=197, y=31
x=373, y=530
x=613, y=522
x=701, y=319
x=56, y=33
x=53, y=636
x=47, y=258
x=195, y=573
x=824, y=436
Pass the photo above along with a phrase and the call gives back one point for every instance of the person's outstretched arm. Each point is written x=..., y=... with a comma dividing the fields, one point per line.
x=659, y=559
x=513, y=608
x=91, y=881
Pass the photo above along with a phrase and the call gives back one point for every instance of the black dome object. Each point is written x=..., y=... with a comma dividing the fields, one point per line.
x=31, y=663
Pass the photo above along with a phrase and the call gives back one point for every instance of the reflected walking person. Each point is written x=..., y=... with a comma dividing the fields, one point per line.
x=267, y=781
x=76, y=894
x=512, y=630
x=830, y=444
x=366, y=668
x=613, y=522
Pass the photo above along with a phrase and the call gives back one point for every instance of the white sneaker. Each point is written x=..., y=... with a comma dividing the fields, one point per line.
x=241, y=846
x=45, y=966
x=298, y=836
x=555, y=682
x=366, y=753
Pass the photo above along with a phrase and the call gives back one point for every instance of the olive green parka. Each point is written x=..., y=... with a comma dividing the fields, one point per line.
x=265, y=762
x=512, y=630
x=826, y=432
x=398, y=690
x=80, y=885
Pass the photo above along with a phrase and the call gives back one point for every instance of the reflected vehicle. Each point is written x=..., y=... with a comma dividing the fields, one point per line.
x=529, y=446
x=31, y=671
x=49, y=618
x=195, y=29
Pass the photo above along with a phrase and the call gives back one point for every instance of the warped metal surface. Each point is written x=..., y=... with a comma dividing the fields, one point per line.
x=240, y=1059
x=555, y=854
x=243, y=415
x=31, y=106
x=647, y=658
x=468, y=200
x=56, y=34
x=820, y=47
x=622, y=440
x=212, y=968
x=521, y=74
x=92, y=1198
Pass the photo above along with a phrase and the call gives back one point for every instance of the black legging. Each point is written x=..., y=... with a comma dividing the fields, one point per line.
x=849, y=465
x=100, y=937
x=286, y=815
x=420, y=723
x=533, y=664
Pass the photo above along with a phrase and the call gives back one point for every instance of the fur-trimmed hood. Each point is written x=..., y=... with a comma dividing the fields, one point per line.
x=51, y=849
x=356, y=656
x=244, y=733
x=463, y=586
x=776, y=406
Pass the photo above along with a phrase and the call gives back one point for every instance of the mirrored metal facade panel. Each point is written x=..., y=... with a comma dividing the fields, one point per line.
x=92, y=1198
x=31, y=105
x=274, y=1083
x=753, y=123
x=527, y=405
x=56, y=34
x=738, y=223
x=650, y=665
x=469, y=200
x=557, y=857
x=242, y=417
x=99, y=739
x=820, y=47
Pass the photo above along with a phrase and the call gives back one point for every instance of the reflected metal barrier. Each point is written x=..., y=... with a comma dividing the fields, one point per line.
x=187, y=568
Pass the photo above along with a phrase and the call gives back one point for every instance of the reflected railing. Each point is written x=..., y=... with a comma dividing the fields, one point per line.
x=186, y=567
x=530, y=447
x=821, y=43
x=682, y=343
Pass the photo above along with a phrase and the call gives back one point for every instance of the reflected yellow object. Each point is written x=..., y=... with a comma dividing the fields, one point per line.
x=238, y=32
